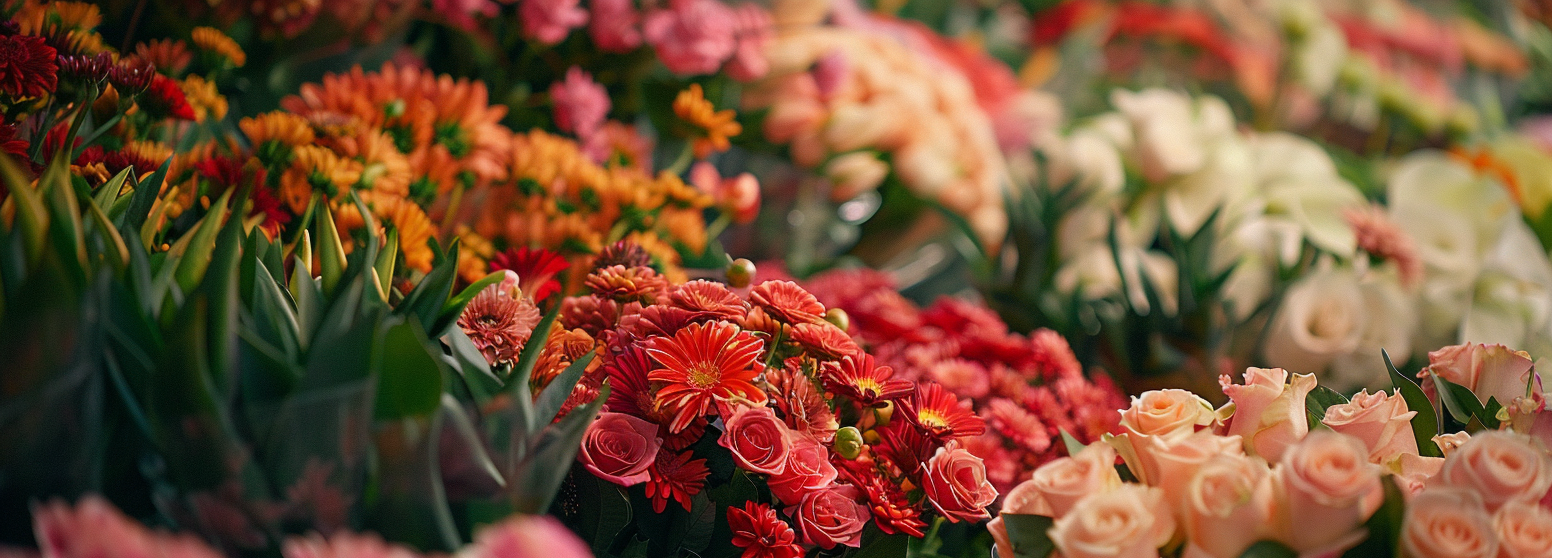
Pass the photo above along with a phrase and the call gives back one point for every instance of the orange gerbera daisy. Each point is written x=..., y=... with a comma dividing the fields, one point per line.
x=212, y=40
x=316, y=168
x=170, y=56
x=282, y=127
x=627, y=284
x=938, y=411
x=702, y=364
x=713, y=127
x=786, y=301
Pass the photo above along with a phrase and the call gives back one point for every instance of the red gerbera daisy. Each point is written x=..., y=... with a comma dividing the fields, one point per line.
x=802, y=405
x=536, y=269
x=702, y=296
x=27, y=66
x=938, y=412
x=275, y=215
x=861, y=379
x=892, y=509
x=702, y=364
x=824, y=341
x=164, y=99
x=786, y=301
x=758, y=530
x=675, y=476
x=627, y=284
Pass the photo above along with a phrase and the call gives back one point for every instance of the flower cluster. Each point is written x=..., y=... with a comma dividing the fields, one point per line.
x=1257, y=470
x=1029, y=389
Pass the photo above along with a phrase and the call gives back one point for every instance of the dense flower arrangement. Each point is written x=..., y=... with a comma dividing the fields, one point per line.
x=1290, y=467
x=1029, y=389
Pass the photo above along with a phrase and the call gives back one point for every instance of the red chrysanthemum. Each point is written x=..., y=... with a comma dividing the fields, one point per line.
x=27, y=66
x=824, y=341
x=938, y=411
x=663, y=321
x=627, y=284
x=786, y=301
x=703, y=364
x=131, y=77
x=164, y=99
x=758, y=530
x=536, y=269
x=1018, y=425
x=860, y=379
x=891, y=507
x=675, y=476
x=803, y=407
x=498, y=324
x=905, y=446
x=710, y=298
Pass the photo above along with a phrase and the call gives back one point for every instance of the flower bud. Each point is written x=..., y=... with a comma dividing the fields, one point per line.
x=848, y=442
x=838, y=317
x=740, y=273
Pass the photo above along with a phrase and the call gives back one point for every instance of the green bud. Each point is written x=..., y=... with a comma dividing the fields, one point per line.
x=740, y=273
x=838, y=317
x=848, y=442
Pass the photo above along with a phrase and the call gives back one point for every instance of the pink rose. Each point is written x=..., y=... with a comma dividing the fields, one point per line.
x=1501, y=466
x=759, y=441
x=581, y=104
x=612, y=25
x=1447, y=523
x=1327, y=485
x=752, y=24
x=1169, y=463
x=692, y=37
x=526, y=536
x=342, y=544
x=1524, y=530
x=955, y=483
x=1229, y=504
x=619, y=448
x=1269, y=411
x=1058, y=485
x=830, y=517
x=549, y=21
x=808, y=469
x=1382, y=422
x=1448, y=442
x=1167, y=412
x=1131, y=521
x=1489, y=371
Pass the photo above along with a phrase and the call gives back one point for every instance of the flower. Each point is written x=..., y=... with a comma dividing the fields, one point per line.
x=803, y=406
x=1489, y=371
x=170, y=56
x=27, y=66
x=499, y=323
x=824, y=341
x=786, y=301
x=853, y=173
x=762, y=534
x=939, y=412
x=206, y=103
x=214, y=41
x=859, y=378
x=1168, y=413
x=1447, y=523
x=830, y=517
x=581, y=104
x=758, y=440
x=164, y=99
x=675, y=476
x=549, y=21
x=1501, y=466
x=692, y=36
x=1381, y=420
x=612, y=25
x=1229, y=505
x=1328, y=484
x=1130, y=521
x=1382, y=238
x=344, y=545
x=281, y=127
x=619, y=448
x=1169, y=463
x=712, y=127
x=708, y=298
x=93, y=528
x=955, y=482
x=808, y=469
x=536, y=269
x=1524, y=530
x=753, y=26
x=739, y=196
x=1269, y=409
x=131, y=78
x=703, y=363
x=526, y=536
x=627, y=284
x=1322, y=317
x=1059, y=484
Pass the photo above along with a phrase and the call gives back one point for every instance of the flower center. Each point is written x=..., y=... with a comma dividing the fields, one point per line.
x=704, y=375
x=931, y=418
x=867, y=384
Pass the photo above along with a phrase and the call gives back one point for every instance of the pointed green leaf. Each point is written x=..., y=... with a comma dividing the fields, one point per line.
x=410, y=381
x=108, y=194
x=559, y=389
x=198, y=246
x=428, y=298
x=140, y=202
x=331, y=252
x=540, y=475
x=386, y=259
x=1029, y=534
x=1425, y=424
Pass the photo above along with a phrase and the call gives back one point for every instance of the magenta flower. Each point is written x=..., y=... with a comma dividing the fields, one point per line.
x=581, y=104
x=549, y=21
x=692, y=36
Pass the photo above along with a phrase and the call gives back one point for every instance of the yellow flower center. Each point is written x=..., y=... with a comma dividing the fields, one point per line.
x=931, y=418
x=867, y=384
x=704, y=375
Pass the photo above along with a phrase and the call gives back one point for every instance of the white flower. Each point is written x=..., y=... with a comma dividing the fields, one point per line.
x=1322, y=317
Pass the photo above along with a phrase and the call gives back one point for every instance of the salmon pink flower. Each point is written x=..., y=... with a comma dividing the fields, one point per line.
x=757, y=439
x=708, y=298
x=619, y=448
x=613, y=25
x=808, y=469
x=831, y=517
x=499, y=323
x=762, y=534
x=787, y=302
x=859, y=378
x=703, y=364
x=344, y=545
x=939, y=412
x=525, y=536
x=581, y=104
x=824, y=341
x=955, y=483
x=627, y=284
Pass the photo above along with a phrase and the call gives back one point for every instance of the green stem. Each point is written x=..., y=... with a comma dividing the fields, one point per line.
x=715, y=229
x=682, y=163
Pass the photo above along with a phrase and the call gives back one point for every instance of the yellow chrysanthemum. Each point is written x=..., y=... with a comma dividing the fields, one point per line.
x=315, y=168
x=149, y=150
x=208, y=104
x=713, y=127
x=415, y=228
x=213, y=40
x=288, y=129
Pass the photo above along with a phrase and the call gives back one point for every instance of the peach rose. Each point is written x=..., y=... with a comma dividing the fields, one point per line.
x=1489, y=371
x=999, y=533
x=759, y=441
x=1412, y=472
x=1167, y=412
x=955, y=483
x=1449, y=442
x=1269, y=411
x=619, y=448
x=1170, y=463
x=808, y=469
x=1059, y=484
x=1501, y=466
x=1447, y=523
x=1524, y=530
x=1229, y=504
x=1328, y=486
x=1131, y=521
x=1382, y=422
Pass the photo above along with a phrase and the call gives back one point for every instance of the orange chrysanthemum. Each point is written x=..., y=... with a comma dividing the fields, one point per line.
x=282, y=127
x=786, y=301
x=938, y=411
x=315, y=168
x=824, y=341
x=627, y=284
x=713, y=127
x=170, y=56
x=212, y=40
x=703, y=364
x=208, y=104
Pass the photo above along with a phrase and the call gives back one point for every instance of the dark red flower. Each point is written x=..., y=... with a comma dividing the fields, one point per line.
x=536, y=269
x=824, y=341
x=938, y=412
x=265, y=202
x=862, y=380
x=624, y=252
x=84, y=69
x=8, y=141
x=131, y=77
x=786, y=301
x=675, y=476
x=761, y=533
x=707, y=297
x=663, y=321
x=891, y=507
x=905, y=446
x=164, y=99
x=221, y=170
x=27, y=66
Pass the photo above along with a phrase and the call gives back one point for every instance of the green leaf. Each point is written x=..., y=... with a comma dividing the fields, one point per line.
x=529, y=356
x=108, y=193
x=197, y=247
x=1030, y=534
x=428, y=298
x=533, y=485
x=605, y=511
x=1320, y=399
x=410, y=380
x=1458, y=399
x=876, y=544
x=1425, y=424
x=555, y=394
x=331, y=252
x=1072, y=444
x=64, y=226
x=386, y=260
x=118, y=252
x=470, y=364
x=1269, y=549
x=31, y=216
x=455, y=305
x=141, y=200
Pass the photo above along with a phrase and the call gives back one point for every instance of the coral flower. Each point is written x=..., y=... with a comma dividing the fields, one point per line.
x=824, y=341
x=214, y=41
x=499, y=323
x=613, y=25
x=758, y=530
x=627, y=284
x=581, y=104
x=675, y=476
x=713, y=127
x=27, y=66
x=863, y=381
x=803, y=406
x=692, y=36
x=939, y=412
x=703, y=364
x=786, y=301
x=1381, y=237
x=282, y=127
x=168, y=55
x=628, y=254
x=536, y=268
x=549, y=21
x=708, y=298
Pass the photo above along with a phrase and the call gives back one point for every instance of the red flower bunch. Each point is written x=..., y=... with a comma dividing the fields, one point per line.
x=27, y=66
x=1029, y=389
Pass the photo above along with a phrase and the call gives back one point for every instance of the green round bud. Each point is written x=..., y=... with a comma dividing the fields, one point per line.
x=740, y=273
x=838, y=317
x=848, y=442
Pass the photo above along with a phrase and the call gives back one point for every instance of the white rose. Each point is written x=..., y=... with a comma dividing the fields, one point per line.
x=1322, y=317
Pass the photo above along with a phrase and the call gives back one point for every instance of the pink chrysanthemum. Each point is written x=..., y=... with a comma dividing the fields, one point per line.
x=613, y=25
x=1381, y=237
x=787, y=302
x=1018, y=425
x=581, y=104
x=549, y=21
x=692, y=37
x=962, y=377
x=499, y=323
